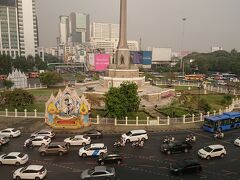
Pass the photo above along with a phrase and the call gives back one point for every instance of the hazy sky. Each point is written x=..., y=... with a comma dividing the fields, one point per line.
x=157, y=22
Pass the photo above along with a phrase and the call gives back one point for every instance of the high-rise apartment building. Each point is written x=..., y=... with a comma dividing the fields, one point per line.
x=9, y=37
x=100, y=31
x=28, y=28
x=74, y=29
x=63, y=29
x=18, y=28
x=106, y=36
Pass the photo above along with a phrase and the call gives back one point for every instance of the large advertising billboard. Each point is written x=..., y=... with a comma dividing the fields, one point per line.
x=136, y=57
x=101, y=61
x=147, y=57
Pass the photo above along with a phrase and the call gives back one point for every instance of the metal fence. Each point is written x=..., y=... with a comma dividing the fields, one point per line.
x=131, y=122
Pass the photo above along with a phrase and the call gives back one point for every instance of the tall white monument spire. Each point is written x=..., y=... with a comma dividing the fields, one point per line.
x=122, y=53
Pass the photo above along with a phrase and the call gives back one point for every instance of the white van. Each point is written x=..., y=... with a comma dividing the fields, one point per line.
x=135, y=135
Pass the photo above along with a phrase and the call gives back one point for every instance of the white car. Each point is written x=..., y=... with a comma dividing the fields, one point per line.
x=15, y=158
x=78, y=140
x=93, y=150
x=30, y=172
x=44, y=132
x=135, y=135
x=4, y=139
x=39, y=140
x=10, y=132
x=237, y=141
x=212, y=151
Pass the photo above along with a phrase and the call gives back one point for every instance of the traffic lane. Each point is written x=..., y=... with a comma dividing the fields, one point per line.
x=133, y=165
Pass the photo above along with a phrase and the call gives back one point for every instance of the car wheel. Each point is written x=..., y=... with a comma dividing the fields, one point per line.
x=17, y=163
x=102, y=163
x=83, y=144
x=107, y=178
x=18, y=178
x=42, y=153
x=208, y=157
x=222, y=155
x=143, y=139
x=11, y=136
x=168, y=152
x=42, y=144
x=37, y=178
x=60, y=153
x=84, y=155
x=0, y=163
x=128, y=140
x=185, y=150
x=101, y=154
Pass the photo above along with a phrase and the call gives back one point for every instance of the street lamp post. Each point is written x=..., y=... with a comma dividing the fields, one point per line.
x=182, y=44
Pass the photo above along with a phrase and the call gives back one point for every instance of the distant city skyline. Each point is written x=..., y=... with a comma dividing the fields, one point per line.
x=158, y=23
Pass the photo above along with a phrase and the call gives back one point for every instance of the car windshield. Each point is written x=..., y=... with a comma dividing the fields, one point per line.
x=90, y=171
x=85, y=137
x=86, y=147
x=109, y=169
x=23, y=169
x=14, y=130
x=207, y=149
x=46, y=138
x=128, y=133
x=71, y=138
x=21, y=155
x=42, y=169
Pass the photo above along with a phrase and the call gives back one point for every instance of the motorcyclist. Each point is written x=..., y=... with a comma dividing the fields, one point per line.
x=219, y=133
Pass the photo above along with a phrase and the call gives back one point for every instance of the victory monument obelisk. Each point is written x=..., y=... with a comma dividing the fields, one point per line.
x=122, y=53
x=121, y=69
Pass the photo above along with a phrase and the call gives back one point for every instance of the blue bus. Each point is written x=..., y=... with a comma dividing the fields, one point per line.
x=224, y=122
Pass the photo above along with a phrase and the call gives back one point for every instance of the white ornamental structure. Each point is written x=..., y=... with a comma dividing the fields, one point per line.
x=18, y=78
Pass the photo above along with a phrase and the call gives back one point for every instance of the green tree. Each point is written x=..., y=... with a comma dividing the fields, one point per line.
x=17, y=98
x=50, y=78
x=129, y=90
x=8, y=84
x=115, y=103
x=121, y=100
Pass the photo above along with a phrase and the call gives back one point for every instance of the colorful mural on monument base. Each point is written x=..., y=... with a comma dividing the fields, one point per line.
x=67, y=110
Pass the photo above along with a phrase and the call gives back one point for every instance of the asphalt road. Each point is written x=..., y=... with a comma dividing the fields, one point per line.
x=147, y=163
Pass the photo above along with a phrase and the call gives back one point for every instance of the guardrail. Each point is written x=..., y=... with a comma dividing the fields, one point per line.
x=131, y=122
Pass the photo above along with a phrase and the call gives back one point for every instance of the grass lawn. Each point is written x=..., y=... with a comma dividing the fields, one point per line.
x=180, y=88
x=44, y=92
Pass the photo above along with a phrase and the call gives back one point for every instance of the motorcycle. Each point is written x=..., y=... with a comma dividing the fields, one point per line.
x=138, y=144
x=219, y=135
x=168, y=139
x=119, y=144
x=190, y=139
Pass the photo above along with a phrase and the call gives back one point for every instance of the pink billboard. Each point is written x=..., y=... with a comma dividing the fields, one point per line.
x=101, y=61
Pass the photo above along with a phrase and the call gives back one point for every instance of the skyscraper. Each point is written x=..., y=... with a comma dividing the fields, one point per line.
x=79, y=28
x=9, y=37
x=63, y=29
x=18, y=28
x=28, y=29
x=74, y=29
